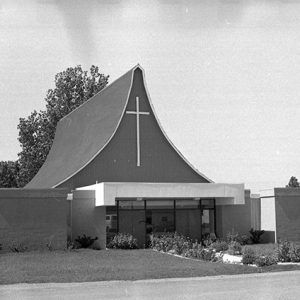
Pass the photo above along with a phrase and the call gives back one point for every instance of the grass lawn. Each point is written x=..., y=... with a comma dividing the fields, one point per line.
x=91, y=265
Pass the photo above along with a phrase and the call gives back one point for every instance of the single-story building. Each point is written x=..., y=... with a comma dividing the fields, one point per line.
x=123, y=173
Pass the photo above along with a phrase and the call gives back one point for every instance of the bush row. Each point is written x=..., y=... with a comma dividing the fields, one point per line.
x=288, y=252
x=251, y=257
x=176, y=243
x=285, y=252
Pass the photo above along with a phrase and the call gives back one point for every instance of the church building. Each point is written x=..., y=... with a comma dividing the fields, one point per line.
x=124, y=174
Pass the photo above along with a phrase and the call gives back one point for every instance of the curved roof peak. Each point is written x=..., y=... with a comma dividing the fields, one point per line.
x=83, y=133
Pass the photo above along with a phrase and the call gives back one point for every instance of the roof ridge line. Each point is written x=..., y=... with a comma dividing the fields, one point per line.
x=106, y=87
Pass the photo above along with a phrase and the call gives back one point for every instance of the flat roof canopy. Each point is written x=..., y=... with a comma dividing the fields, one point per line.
x=107, y=192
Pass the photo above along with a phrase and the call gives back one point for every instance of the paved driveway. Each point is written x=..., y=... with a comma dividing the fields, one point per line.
x=281, y=285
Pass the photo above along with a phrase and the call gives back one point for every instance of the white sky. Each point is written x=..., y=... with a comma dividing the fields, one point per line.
x=223, y=75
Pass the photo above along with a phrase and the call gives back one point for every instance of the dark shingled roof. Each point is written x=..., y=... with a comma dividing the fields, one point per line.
x=82, y=134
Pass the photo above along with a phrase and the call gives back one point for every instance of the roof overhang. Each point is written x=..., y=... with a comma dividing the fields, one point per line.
x=107, y=192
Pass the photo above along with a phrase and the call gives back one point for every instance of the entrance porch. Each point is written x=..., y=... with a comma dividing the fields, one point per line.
x=142, y=208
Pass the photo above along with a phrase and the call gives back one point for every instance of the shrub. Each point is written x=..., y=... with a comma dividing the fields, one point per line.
x=49, y=246
x=219, y=246
x=232, y=236
x=197, y=251
x=207, y=254
x=85, y=241
x=70, y=246
x=181, y=245
x=249, y=256
x=294, y=253
x=243, y=239
x=234, y=248
x=265, y=260
x=174, y=242
x=194, y=250
x=208, y=239
x=18, y=247
x=283, y=250
x=255, y=235
x=123, y=241
x=288, y=252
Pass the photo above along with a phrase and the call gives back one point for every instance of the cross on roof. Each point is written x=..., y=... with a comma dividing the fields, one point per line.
x=138, y=113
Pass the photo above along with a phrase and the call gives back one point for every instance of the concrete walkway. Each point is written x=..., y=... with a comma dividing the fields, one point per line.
x=281, y=285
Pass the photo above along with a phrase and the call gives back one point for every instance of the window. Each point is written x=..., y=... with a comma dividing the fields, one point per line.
x=131, y=204
x=187, y=203
x=208, y=203
x=160, y=204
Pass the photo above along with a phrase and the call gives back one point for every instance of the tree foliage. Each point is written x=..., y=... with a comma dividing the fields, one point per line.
x=293, y=182
x=8, y=174
x=73, y=87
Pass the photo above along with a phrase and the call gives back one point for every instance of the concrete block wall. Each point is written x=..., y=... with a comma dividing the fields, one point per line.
x=86, y=218
x=238, y=218
x=33, y=218
x=287, y=211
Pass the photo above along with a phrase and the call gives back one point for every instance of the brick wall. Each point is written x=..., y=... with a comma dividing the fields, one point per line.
x=87, y=218
x=33, y=218
x=287, y=209
x=238, y=218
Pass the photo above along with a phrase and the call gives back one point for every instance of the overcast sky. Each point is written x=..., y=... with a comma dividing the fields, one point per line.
x=223, y=75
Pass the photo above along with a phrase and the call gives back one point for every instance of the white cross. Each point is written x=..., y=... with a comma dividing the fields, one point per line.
x=138, y=113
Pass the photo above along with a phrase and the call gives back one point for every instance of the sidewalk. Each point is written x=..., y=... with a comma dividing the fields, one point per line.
x=279, y=285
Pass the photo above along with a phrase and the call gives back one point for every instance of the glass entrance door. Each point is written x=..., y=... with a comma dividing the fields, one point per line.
x=133, y=222
x=159, y=221
x=131, y=219
x=208, y=221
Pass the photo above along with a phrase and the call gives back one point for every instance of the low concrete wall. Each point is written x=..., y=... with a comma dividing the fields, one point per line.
x=287, y=209
x=86, y=218
x=33, y=218
x=238, y=218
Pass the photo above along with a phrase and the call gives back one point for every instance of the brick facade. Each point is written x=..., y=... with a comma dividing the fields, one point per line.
x=238, y=218
x=287, y=210
x=87, y=218
x=33, y=218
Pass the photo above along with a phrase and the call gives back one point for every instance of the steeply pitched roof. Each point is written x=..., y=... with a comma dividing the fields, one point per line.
x=81, y=135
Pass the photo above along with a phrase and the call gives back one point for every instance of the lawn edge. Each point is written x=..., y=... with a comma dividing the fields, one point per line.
x=158, y=280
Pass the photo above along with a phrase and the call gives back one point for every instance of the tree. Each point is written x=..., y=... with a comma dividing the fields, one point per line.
x=8, y=174
x=293, y=182
x=36, y=132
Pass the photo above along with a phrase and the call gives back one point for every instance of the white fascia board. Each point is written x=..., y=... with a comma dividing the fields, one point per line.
x=267, y=193
x=107, y=192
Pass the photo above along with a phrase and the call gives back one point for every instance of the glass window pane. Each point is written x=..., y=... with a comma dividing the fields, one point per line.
x=187, y=203
x=207, y=203
x=138, y=204
x=131, y=204
x=188, y=223
x=208, y=222
x=133, y=222
x=125, y=204
x=160, y=221
x=160, y=204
